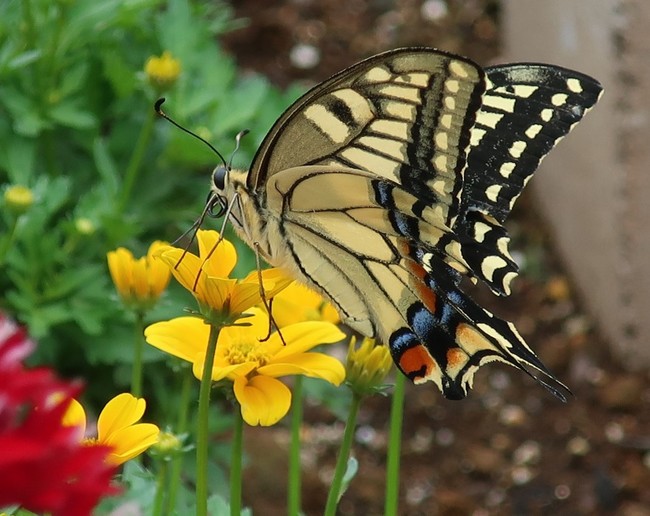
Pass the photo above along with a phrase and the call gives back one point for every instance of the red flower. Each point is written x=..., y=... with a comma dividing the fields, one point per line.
x=43, y=465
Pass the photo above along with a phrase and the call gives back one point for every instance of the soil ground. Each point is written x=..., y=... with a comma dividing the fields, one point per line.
x=510, y=447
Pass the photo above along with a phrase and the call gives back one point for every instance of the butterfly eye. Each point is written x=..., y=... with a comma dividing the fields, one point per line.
x=219, y=177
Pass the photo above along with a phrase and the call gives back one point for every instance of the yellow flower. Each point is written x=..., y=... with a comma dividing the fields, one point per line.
x=117, y=427
x=139, y=282
x=297, y=303
x=367, y=366
x=251, y=364
x=162, y=72
x=18, y=198
x=206, y=276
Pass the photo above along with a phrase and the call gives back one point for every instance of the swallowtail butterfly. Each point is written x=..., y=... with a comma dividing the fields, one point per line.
x=382, y=186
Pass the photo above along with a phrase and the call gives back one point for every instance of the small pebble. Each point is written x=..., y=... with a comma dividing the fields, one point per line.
x=578, y=446
x=304, y=56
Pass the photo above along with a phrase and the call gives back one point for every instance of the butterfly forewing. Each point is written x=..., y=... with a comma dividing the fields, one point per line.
x=385, y=183
x=526, y=110
x=403, y=115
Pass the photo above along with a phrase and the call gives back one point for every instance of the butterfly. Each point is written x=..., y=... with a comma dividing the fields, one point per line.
x=385, y=185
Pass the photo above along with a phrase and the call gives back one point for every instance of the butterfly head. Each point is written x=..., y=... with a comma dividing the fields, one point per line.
x=217, y=202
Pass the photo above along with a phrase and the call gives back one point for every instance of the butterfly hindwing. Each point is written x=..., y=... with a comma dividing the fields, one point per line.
x=346, y=245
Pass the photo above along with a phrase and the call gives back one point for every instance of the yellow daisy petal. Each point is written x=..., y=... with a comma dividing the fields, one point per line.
x=244, y=296
x=253, y=326
x=123, y=410
x=183, y=337
x=159, y=272
x=184, y=266
x=306, y=335
x=75, y=415
x=296, y=303
x=131, y=442
x=222, y=258
x=221, y=369
x=329, y=313
x=264, y=400
x=119, y=266
x=218, y=291
x=140, y=279
x=315, y=365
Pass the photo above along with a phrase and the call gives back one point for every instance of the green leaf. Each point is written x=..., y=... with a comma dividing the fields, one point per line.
x=69, y=114
x=351, y=470
x=106, y=167
x=119, y=73
x=17, y=157
x=24, y=59
x=218, y=505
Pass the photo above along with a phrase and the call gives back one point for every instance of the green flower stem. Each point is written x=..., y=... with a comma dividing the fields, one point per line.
x=138, y=346
x=181, y=429
x=235, y=465
x=133, y=167
x=394, y=447
x=7, y=240
x=202, y=433
x=161, y=484
x=293, y=495
x=342, y=460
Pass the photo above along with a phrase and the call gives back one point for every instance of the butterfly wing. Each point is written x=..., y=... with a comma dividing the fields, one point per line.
x=384, y=183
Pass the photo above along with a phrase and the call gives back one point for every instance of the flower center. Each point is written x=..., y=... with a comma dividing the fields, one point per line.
x=247, y=350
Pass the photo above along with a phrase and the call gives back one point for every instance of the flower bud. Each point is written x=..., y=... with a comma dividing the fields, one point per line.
x=162, y=72
x=367, y=366
x=18, y=199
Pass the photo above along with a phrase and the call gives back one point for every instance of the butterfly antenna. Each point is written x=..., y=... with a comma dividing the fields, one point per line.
x=158, y=108
x=238, y=138
x=193, y=229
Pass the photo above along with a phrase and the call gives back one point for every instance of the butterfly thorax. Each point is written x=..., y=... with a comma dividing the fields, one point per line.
x=245, y=213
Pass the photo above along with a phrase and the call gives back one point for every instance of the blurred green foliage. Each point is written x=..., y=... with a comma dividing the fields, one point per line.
x=76, y=126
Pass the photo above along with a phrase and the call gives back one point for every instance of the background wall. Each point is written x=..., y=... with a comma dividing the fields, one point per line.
x=595, y=187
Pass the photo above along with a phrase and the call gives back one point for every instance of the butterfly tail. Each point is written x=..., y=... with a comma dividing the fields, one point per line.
x=449, y=338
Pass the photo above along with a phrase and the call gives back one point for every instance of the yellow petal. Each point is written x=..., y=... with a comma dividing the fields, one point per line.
x=252, y=325
x=185, y=267
x=274, y=280
x=131, y=442
x=296, y=303
x=183, y=337
x=222, y=369
x=123, y=410
x=264, y=400
x=120, y=264
x=75, y=415
x=140, y=279
x=244, y=296
x=315, y=365
x=218, y=291
x=329, y=313
x=303, y=336
x=219, y=259
x=158, y=271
